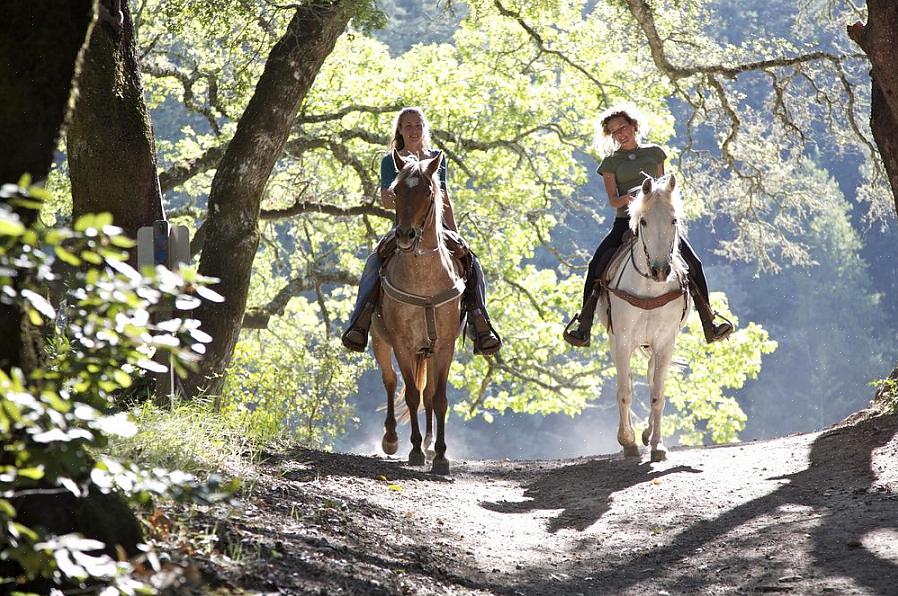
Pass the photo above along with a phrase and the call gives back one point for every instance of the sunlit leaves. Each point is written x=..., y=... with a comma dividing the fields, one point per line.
x=52, y=415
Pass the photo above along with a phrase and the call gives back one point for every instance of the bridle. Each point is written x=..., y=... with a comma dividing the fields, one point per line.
x=645, y=251
x=425, y=221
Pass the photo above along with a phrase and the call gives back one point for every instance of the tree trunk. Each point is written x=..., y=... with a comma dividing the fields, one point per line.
x=879, y=40
x=39, y=44
x=111, y=150
x=232, y=224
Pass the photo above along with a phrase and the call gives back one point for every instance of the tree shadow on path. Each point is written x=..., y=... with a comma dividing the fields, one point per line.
x=838, y=486
x=582, y=490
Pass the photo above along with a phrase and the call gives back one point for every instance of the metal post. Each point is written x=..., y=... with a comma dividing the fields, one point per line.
x=167, y=245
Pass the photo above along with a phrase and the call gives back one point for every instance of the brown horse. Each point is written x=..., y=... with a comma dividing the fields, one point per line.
x=420, y=309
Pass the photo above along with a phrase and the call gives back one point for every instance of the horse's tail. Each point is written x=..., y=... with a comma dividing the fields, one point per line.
x=421, y=374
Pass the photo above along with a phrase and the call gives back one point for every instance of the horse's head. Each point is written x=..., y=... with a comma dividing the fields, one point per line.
x=417, y=189
x=655, y=217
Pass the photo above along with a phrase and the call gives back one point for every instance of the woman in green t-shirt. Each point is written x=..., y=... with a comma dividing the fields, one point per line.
x=624, y=169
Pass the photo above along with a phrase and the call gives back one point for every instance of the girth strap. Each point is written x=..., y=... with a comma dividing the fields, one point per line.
x=428, y=303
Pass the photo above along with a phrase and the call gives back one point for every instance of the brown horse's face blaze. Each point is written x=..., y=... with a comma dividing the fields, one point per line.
x=414, y=198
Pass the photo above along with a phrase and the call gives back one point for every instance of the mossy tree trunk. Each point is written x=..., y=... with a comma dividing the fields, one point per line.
x=232, y=223
x=110, y=144
x=40, y=42
x=39, y=46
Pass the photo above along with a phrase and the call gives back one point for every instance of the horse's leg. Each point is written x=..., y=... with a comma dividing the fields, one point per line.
x=428, y=419
x=428, y=414
x=625, y=434
x=650, y=375
x=413, y=400
x=662, y=360
x=440, y=406
x=383, y=354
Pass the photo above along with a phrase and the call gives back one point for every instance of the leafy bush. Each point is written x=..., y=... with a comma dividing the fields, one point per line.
x=60, y=406
x=305, y=401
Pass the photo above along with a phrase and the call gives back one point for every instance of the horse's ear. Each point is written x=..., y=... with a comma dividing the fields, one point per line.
x=433, y=164
x=398, y=161
x=671, y=182
x=647, y=186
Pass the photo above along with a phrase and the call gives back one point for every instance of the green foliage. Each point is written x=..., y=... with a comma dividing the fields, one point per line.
x=513, y=119
x=704, y=413
x=55, y=414
x=304, y=401
x=189, y=436
x=886, y=400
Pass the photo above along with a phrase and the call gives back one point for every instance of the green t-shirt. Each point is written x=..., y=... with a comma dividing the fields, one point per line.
x=628, y=168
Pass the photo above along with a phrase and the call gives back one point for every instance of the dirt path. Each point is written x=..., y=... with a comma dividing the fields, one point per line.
x=807, y=514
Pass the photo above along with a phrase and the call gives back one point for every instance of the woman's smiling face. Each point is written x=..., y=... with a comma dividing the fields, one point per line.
x=411, y=127
x=622, y=131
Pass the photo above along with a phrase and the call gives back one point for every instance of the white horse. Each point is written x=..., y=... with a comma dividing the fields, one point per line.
x=648, y=303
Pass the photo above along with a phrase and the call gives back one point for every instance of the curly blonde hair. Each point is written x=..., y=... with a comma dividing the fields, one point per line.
x=603, y=142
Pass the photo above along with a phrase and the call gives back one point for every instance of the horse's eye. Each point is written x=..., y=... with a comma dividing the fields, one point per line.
x=642, y=221
x=674, y=221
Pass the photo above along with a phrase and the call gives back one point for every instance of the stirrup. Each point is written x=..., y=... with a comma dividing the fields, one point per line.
x=726, y=329
x=573, y=339
x=484, y=335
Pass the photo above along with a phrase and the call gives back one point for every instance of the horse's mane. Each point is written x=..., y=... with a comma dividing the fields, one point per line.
x=641, y=203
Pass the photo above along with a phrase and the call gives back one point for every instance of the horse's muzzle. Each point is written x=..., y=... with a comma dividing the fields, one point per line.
x=405, y=238
x=660, y=273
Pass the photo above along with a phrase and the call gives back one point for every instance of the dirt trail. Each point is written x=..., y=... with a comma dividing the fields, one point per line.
x=806, y=514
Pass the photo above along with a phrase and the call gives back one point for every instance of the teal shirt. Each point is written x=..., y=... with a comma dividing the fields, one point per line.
x=628, y=168
x=388, y=170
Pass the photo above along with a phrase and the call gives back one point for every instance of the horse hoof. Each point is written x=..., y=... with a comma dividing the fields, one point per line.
x=659, y=455
x=645, y=436
x=389, y=447
x=430, y=454
x=416, y=458
x=440, y=466
x=631, y=451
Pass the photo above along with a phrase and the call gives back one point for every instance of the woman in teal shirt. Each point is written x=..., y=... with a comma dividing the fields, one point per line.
x=411, y=136
x=624, y=171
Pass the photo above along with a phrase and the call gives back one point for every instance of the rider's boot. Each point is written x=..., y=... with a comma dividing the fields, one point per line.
x=486, y=340
x=579, y=331
x=713, y=332
x=355, y=337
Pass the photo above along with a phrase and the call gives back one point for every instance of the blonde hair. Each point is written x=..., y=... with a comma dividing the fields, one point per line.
x=603, y=142
x=397, y=142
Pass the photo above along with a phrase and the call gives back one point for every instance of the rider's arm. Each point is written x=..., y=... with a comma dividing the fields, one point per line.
x=388, y=198
x=615, y=200
x=448, y=213
x=387, y=176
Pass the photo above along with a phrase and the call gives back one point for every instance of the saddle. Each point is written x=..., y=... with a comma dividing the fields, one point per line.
x=607, y=286
x=453, y=241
